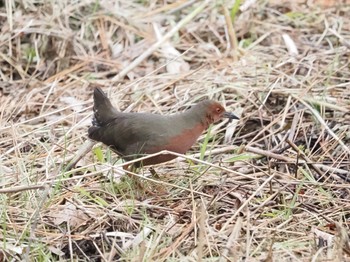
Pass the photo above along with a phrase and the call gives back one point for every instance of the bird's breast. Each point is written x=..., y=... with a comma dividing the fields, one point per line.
x=184, y=141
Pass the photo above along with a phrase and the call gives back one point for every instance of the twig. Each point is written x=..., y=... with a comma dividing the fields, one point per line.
x=84, y=149
x=217, y=151
x=323, y=123
x=21, y=188
x=307, y=160
x=341, y=39
x=231, y=34
x=232, y=218
x=291, y=160
x=34, y=220
x=232, y=240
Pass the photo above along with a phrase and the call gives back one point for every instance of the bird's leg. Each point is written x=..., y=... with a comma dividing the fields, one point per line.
x=140, y=184
x=158, y=189
x=153, y=172
x=136, y=180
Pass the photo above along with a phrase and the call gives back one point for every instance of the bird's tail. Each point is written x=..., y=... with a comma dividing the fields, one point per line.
x=104, y=112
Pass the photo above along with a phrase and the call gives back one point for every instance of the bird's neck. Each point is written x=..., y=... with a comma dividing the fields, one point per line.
x=193, y=117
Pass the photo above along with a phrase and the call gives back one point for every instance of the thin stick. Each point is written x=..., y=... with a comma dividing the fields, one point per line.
x=84, y=149
x=291, y=160
x=232, y=218
x=21, y=188
x=318, y=171
x=323, y=123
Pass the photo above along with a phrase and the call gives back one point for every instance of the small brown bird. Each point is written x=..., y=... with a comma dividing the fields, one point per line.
x=132, y=135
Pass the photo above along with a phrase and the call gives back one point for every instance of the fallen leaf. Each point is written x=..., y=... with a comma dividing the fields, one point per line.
x=70, y=214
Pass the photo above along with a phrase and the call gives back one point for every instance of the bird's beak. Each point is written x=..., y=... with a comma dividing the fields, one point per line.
x=230, y=116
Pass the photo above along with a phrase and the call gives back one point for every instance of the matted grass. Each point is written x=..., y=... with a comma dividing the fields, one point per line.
x=273, y=186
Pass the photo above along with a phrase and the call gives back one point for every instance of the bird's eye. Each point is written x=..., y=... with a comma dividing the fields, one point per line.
x=218, y=110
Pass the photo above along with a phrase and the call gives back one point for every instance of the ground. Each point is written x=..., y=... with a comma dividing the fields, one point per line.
x=272, y=186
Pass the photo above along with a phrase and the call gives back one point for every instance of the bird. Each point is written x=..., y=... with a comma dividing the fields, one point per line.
x=133, y=135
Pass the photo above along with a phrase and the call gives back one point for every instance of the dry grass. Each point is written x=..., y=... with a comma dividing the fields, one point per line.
x=275, y=190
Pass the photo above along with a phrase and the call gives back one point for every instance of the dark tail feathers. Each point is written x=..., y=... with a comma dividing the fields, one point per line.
x=104, y=112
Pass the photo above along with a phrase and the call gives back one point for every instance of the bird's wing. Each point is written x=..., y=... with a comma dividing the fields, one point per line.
x=132, y=134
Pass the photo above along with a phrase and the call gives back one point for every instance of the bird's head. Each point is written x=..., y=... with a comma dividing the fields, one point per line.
x=213, y=111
